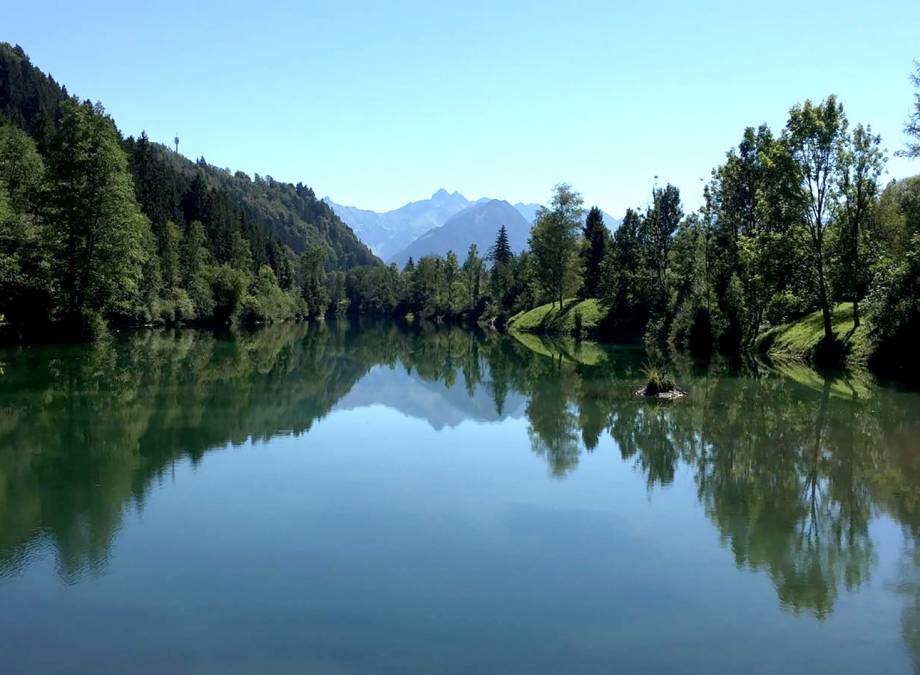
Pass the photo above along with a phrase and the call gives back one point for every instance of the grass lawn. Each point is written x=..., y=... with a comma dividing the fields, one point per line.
x=550, y=319
x=798, y=339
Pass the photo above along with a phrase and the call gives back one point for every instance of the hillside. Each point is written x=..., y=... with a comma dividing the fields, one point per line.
x=800, y=339
x=548, y=319
x=477, y=224
x=272, y=215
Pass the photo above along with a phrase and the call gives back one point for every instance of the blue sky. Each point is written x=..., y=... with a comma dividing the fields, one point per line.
x=378, y=103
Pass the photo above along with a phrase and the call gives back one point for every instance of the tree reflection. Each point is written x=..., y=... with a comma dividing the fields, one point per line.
x=790, y=469
x=790, y=472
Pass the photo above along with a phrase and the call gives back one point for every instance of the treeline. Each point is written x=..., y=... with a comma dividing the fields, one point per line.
x=793, y=222
x=97, y=229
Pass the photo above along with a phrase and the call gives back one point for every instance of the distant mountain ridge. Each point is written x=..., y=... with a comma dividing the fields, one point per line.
x=390, y=234
x=477, y=224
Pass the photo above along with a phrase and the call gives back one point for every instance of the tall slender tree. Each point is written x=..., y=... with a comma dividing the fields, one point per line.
x=658, y=228
x=554, y=244
x=313, y=281
x=814, y=135
x=473, y=269
x=595, y=239
x=501, y=253
x=861, y=165
x=501, y=277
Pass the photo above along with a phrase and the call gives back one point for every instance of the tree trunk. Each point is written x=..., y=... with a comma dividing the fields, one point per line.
x=825, y=303
x=855, y=313
x=826, y=316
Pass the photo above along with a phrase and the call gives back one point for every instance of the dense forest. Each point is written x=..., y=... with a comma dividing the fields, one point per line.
x=98, y=229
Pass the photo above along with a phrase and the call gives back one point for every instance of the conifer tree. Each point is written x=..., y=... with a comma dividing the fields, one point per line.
x=594, y=248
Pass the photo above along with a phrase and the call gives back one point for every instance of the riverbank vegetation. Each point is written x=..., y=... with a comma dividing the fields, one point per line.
x=97, y=229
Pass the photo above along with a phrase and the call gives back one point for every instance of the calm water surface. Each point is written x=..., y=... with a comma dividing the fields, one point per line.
x=375, y=500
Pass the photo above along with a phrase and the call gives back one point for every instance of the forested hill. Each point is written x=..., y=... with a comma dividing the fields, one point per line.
x=276, y=222
x=271, y=213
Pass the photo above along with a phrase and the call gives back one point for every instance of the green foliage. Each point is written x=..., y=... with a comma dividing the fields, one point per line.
x=193, y=260
x=377, y=290
x=894, y=301
x=861, y=164
x=473, y=273
x=691, y=298
x=626, y=281
x=500, y=253
x=595, y=240
x=29, y=99
x=228, y=288
x=268, y=303
x=313, y=281
x=554, y=244
x=815, y=136
x=97, y=228
x=656, y=232
x=753, y=207
x=25, y=262
x=169, y=247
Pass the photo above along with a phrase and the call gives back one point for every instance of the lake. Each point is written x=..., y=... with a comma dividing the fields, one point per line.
x=375, y=499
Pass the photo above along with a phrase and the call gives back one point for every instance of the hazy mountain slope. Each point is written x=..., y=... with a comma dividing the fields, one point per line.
x=477, y=224
x=389, y=232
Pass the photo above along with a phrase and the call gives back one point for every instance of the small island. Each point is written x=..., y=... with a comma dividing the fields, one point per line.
x=659, y=385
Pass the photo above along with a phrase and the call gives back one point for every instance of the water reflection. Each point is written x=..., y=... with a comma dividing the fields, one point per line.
x=790, y=468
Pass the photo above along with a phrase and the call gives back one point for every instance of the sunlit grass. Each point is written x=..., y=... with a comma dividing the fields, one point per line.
x=799, y=339
x=549, y=318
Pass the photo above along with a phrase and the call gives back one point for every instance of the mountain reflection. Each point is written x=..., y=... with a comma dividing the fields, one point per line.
x=790, y=469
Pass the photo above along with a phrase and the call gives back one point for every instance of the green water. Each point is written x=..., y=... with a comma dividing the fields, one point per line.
x=376, y=500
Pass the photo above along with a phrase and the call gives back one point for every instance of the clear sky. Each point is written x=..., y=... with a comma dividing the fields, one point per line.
x=379, y=103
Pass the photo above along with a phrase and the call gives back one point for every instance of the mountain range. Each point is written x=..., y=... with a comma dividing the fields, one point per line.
x=477, y=224
x=445, y=221
x=389, y=232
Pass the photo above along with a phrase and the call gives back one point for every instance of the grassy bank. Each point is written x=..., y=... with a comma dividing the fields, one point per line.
x=800, y=339
x=552, y=319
